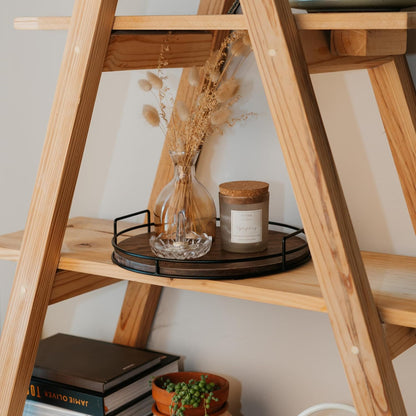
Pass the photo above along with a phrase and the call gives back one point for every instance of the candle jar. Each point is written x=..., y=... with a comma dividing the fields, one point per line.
x=244, y=216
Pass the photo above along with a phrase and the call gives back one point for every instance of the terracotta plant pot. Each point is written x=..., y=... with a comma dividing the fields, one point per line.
x=163, y=398
x=222, y=411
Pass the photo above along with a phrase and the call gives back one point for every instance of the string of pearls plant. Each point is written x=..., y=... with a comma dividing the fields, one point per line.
x=193, y=394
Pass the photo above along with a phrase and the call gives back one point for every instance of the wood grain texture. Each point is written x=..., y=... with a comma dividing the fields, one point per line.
x=368, y=42
x=69, y=284
x=87, y=249
x=308, y=21
x=188, y=22
x=137, y=313
x=323, y=209
x=130, y=50
x=78, y=81
x=140, y=301
x=126, y=50
x=141, y=50
x=219, y=7
x=399, y=339
x=353, y=21
x=395, y=93
x=318, y=55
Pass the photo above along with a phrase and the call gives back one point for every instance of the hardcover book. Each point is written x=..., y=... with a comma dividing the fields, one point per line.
x=142, y=407
x=88, y=363
x=94, y=377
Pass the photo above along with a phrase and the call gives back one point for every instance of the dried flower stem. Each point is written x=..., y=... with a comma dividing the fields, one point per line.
x=217, y=90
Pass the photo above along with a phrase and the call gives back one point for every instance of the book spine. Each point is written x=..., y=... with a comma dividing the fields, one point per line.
x=63, y=396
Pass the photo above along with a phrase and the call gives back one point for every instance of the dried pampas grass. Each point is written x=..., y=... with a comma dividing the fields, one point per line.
x=200, y=115
x=216, y=90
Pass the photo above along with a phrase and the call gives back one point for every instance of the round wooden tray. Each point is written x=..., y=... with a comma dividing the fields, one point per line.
x=134, y=253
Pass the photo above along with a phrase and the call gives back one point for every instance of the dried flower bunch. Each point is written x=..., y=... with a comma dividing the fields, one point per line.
x=217, y=91
x=184, y=212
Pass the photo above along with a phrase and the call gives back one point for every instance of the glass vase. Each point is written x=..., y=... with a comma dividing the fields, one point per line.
x=184, y=213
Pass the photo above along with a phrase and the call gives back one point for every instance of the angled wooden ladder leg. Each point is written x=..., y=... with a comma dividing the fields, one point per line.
x=338, y=262
x=395, y=93
x=323, y=209
x=79, y=77
x=137, y=314
x=140, y=301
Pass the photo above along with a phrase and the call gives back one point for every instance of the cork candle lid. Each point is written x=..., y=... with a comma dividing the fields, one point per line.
x=244, y=189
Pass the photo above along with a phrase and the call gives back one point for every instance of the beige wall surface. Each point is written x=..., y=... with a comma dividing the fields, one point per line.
x=279, y=360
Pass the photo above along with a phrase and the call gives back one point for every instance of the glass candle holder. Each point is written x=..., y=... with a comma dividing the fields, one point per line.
x=244, y=216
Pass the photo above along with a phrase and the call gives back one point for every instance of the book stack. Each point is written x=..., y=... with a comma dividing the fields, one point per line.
x=81, y=376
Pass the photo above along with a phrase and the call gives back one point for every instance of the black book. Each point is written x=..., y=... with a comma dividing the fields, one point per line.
x=89, y=363
x=94, y=377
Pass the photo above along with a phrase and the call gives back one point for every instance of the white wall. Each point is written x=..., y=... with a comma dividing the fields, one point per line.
x=279, y=360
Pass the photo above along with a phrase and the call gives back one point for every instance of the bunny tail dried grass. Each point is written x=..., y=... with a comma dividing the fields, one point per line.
x=151, y=115
x=145, y=85
x=227, y=90
x=220, y=116
x=238, y=48
x=193, y=76
x=216, y=90
x=157, y=82
x=246, y=39
x=182, y=111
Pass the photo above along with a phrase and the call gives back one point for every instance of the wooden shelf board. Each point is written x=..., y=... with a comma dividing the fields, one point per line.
x=188, y=22
x=307, y=21
x=141, y=50
x=87, y=249
x=356, y=20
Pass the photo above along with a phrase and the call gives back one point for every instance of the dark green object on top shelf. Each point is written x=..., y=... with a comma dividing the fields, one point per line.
x=351, y=5
x=343, y=5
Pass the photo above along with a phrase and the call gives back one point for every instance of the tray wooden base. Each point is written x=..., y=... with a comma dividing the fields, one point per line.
x=217, y=264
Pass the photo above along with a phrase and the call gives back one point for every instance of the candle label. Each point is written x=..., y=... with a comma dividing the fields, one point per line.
x=246, y=226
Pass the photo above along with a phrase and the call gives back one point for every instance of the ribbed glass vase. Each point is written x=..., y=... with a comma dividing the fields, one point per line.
x=184, y=213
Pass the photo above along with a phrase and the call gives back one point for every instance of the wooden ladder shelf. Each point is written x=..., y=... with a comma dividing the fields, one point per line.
x=370, y=297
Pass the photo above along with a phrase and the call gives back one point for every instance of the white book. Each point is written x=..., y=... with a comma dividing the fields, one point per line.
x=33, y=408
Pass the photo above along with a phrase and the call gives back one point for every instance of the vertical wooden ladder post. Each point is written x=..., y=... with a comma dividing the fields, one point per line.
x=140, y=301
x=73, y=104
x=395, y=93
x=323, y=209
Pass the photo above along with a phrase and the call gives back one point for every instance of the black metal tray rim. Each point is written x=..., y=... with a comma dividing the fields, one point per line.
x=148, y=224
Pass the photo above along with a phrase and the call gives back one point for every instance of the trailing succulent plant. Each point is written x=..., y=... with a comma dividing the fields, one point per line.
x=192, y=393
